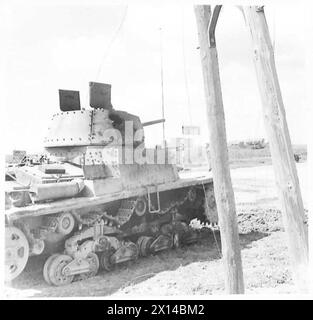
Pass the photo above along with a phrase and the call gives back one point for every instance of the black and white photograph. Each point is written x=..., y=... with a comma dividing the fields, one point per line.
x=156, y=149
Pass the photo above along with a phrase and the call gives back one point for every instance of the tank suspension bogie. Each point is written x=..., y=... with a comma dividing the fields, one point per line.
x=161, y=243
x=56, y=270
x=144, y=244
x=79, y=266
x=106, y=235
x=126, y=252
x=94, y=265
x=84, y=263
x=90, y=249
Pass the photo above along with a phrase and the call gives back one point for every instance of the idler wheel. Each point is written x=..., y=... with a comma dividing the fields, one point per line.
x=55, y=270
x=16, y=252
x=143, y=244
x=66, y=223
x=105, y=262
x=141, y=207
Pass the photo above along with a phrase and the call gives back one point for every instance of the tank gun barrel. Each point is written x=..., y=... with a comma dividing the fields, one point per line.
x=150, y=123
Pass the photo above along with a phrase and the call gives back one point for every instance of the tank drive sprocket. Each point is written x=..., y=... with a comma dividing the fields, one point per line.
x=16, y=252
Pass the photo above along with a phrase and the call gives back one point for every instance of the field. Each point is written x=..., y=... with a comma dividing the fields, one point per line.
x=247, y=157
x=196, y=269
x=240, y=157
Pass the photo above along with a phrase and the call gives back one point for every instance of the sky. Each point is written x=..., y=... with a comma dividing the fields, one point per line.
x=55, y=46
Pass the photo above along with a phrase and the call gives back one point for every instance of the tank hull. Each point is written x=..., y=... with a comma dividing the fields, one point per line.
x=87, y=226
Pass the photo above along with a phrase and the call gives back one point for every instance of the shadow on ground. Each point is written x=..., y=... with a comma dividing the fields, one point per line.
x=32, y=284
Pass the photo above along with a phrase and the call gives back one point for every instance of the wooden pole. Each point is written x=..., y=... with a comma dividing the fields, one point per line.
x=162, y=87
x=223, y=189
x=280, y=144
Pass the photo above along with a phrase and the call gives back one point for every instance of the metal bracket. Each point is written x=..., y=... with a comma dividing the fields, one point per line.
x=158, y=200
x=212, y=25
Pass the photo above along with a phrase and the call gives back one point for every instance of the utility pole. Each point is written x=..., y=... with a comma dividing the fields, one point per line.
x=223, y=190
x=162, y=87
x=280, y=144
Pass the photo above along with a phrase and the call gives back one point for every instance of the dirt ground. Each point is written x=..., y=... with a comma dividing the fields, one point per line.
x=195, y=269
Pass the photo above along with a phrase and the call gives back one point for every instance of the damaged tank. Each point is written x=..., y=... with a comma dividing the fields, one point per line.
x=100, y=197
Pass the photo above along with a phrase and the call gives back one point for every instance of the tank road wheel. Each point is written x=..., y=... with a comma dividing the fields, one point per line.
x=143, y=244
x=16, y=252
x=140, y=207
x=46, y=268
x=176, y=240
x=94, y=267
x=55, y=272
x=105, y=262
x=66, y=223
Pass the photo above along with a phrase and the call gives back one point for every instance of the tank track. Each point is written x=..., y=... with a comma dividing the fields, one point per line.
x=101, y=238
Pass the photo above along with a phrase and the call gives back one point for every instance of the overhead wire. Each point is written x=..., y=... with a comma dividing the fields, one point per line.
x=162, y=85
x=185, y=69
x=113, y=39
x=108, y=48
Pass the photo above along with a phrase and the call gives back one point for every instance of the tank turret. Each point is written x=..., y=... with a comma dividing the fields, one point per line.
x=101, y=145
x=74, y=126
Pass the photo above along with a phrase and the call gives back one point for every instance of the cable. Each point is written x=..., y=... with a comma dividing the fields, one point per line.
x=185, y=69
x=162, y=86
x=107, y=51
